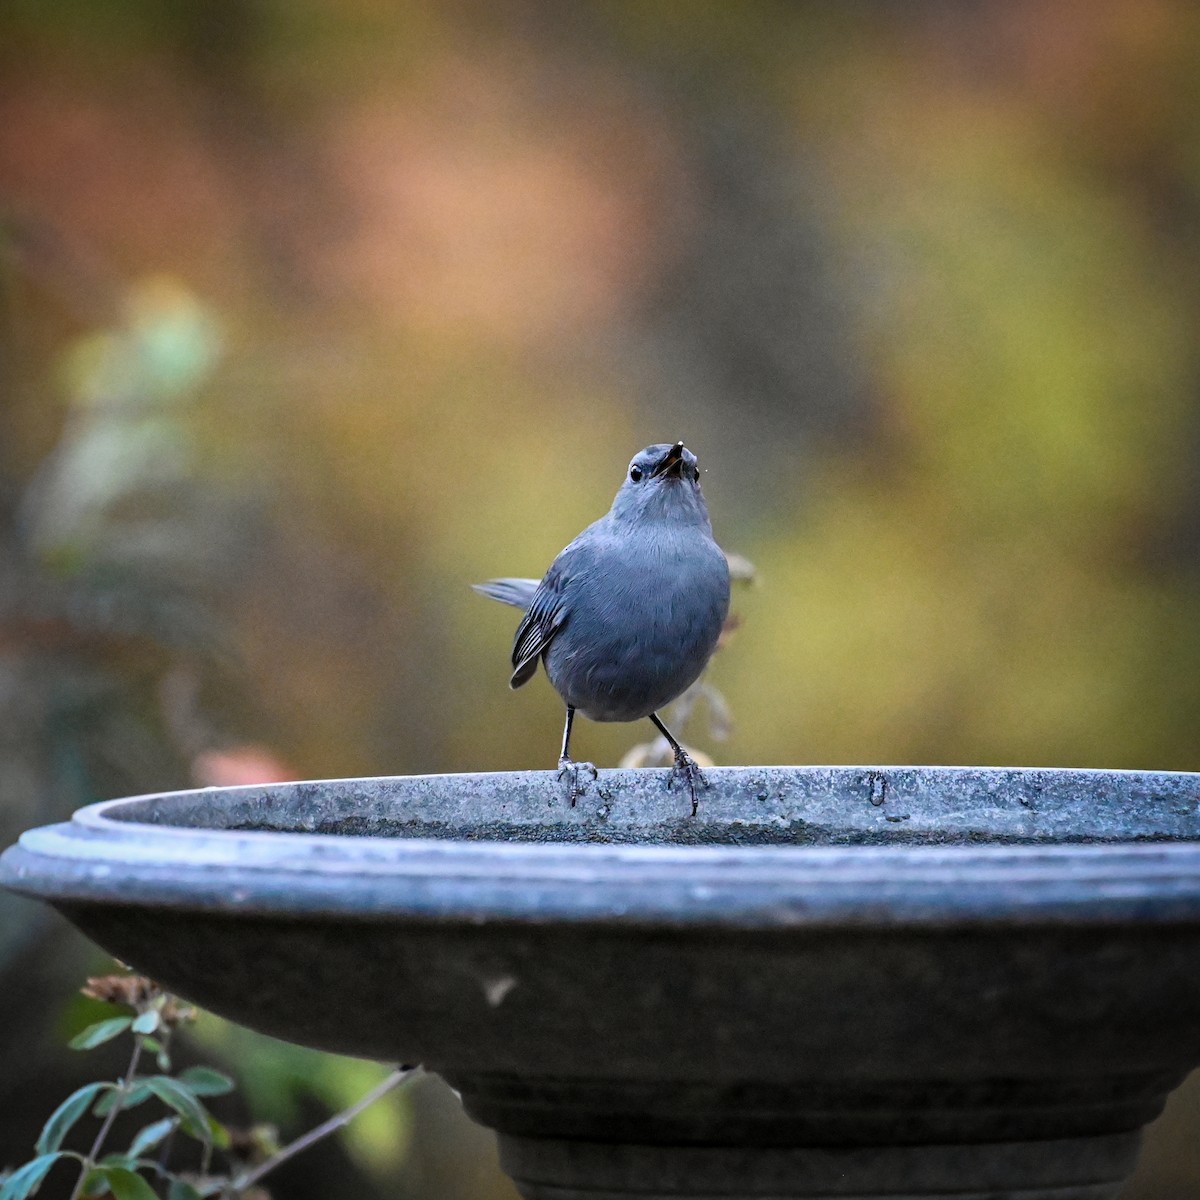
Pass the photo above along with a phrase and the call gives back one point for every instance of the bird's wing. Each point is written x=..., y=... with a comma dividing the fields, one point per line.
x=544, y=618
x=517, y=592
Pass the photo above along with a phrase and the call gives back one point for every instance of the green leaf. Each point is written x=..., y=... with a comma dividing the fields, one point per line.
x=127, y=1185
x=123, y=1162
x=146, y=1022
x=175, y=1095
x=66, y=1114
x=101, y=1032
x=204, y=1081
x=218, y=1133
x=151, y=1136
x=138, y=1094
x=182, y=1190
x=94, y=1183
x=128, y=1161
x=27, y=1179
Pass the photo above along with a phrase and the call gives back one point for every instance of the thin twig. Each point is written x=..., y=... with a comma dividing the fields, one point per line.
x=394, y=1080
x=97, y=1145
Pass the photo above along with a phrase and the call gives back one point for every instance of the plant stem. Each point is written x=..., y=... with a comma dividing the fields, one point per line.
x=394, y=1080
x=110, y=1117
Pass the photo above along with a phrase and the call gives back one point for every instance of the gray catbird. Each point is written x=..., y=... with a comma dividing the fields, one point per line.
x=629, y=613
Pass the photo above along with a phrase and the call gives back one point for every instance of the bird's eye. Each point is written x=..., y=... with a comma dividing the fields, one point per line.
x=635, y=473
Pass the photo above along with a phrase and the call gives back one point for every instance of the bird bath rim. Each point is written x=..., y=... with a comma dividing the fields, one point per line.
x=900, y=845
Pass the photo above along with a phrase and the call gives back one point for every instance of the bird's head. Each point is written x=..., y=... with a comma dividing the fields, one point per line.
x=662, y=483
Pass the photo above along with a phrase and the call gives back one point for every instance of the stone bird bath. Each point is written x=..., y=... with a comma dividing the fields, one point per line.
x=831, y=983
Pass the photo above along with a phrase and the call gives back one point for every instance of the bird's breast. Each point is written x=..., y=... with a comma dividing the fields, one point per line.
x=643, y=622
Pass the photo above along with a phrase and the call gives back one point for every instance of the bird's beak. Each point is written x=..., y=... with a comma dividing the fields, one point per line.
x=671, y=463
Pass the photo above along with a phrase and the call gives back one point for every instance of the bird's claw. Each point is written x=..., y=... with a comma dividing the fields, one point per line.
x=570, y=768
x=688, y=769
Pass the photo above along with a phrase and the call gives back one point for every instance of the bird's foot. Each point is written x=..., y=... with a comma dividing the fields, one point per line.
x=571, y=770
x=687, y=769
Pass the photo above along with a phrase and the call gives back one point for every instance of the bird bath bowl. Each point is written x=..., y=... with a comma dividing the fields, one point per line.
x=831, y=983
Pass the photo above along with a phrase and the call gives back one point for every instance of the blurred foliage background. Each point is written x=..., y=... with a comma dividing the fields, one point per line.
x=312, y=313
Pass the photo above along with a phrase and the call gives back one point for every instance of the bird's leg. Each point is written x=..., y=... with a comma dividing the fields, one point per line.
x=566, y=766
x=685, y=764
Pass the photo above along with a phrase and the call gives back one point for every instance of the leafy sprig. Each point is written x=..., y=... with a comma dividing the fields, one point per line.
x=175, y=1104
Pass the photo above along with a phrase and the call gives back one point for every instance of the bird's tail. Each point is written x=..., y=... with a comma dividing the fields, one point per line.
x=517, y=592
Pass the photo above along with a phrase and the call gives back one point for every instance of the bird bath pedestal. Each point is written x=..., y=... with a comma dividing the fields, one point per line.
x=831, y=983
